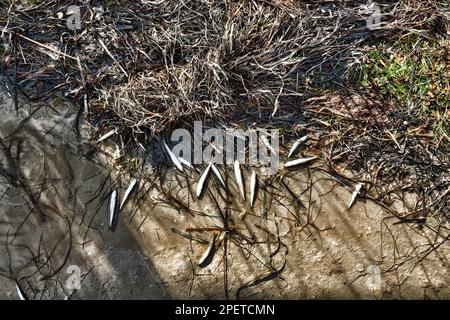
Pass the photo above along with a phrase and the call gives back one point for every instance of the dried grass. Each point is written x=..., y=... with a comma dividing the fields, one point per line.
x=147, y=67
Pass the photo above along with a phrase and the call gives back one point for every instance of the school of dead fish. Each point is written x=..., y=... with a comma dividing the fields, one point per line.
x=178, y=163
x=202, y=182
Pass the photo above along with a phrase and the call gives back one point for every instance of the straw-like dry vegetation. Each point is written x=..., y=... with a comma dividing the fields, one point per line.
x=150, y=66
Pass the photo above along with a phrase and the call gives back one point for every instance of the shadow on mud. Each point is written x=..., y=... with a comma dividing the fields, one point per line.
x=53, y=232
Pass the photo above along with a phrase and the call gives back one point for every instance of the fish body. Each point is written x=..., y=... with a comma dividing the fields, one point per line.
x=20, y=292
x=297, y=162
x=128, y=192
x=202, y=180
x=252, y=188
x=112, y=209
x=355, y=194
x=185, y=162
x=239, y=180
x=107, y=135
x=296, y=144
x=174, y=158
x=208, y=252
x=267, y=143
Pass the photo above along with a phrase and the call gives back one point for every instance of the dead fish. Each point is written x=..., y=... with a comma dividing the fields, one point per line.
x=267, y=143
x=297, y=162
x=252, y=188
x=185, y=162
x=112, y=209
x=239, y=180
x=127, y=192
x=214, y=147
x=218, y=175
x=202, y=180
x=208, y=252
x=296, y=144
x=107, y=135
x=174, y=158
x=355, y=194
x=20, y=292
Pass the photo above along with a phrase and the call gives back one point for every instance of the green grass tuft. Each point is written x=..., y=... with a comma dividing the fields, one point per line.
x=416, y=72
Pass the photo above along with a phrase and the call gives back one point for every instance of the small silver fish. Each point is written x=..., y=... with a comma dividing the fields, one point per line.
x=207, y=252
x=20, y=292
x=174, y=158
x=185, y=162
x=296, y=144
x=252, y=188
x=297, y=162
x=218, y=175
x=355, y=194
x=214, y=147
x=107, y=135
x=267, y=143
x=201, y=181
x=127, y=192
x=112, y=208
x=239, y=180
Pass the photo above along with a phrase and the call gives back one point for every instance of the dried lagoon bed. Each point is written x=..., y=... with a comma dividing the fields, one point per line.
x=329, y=252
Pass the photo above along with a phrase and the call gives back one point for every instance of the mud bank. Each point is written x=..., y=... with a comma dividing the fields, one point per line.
x=297, y=244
